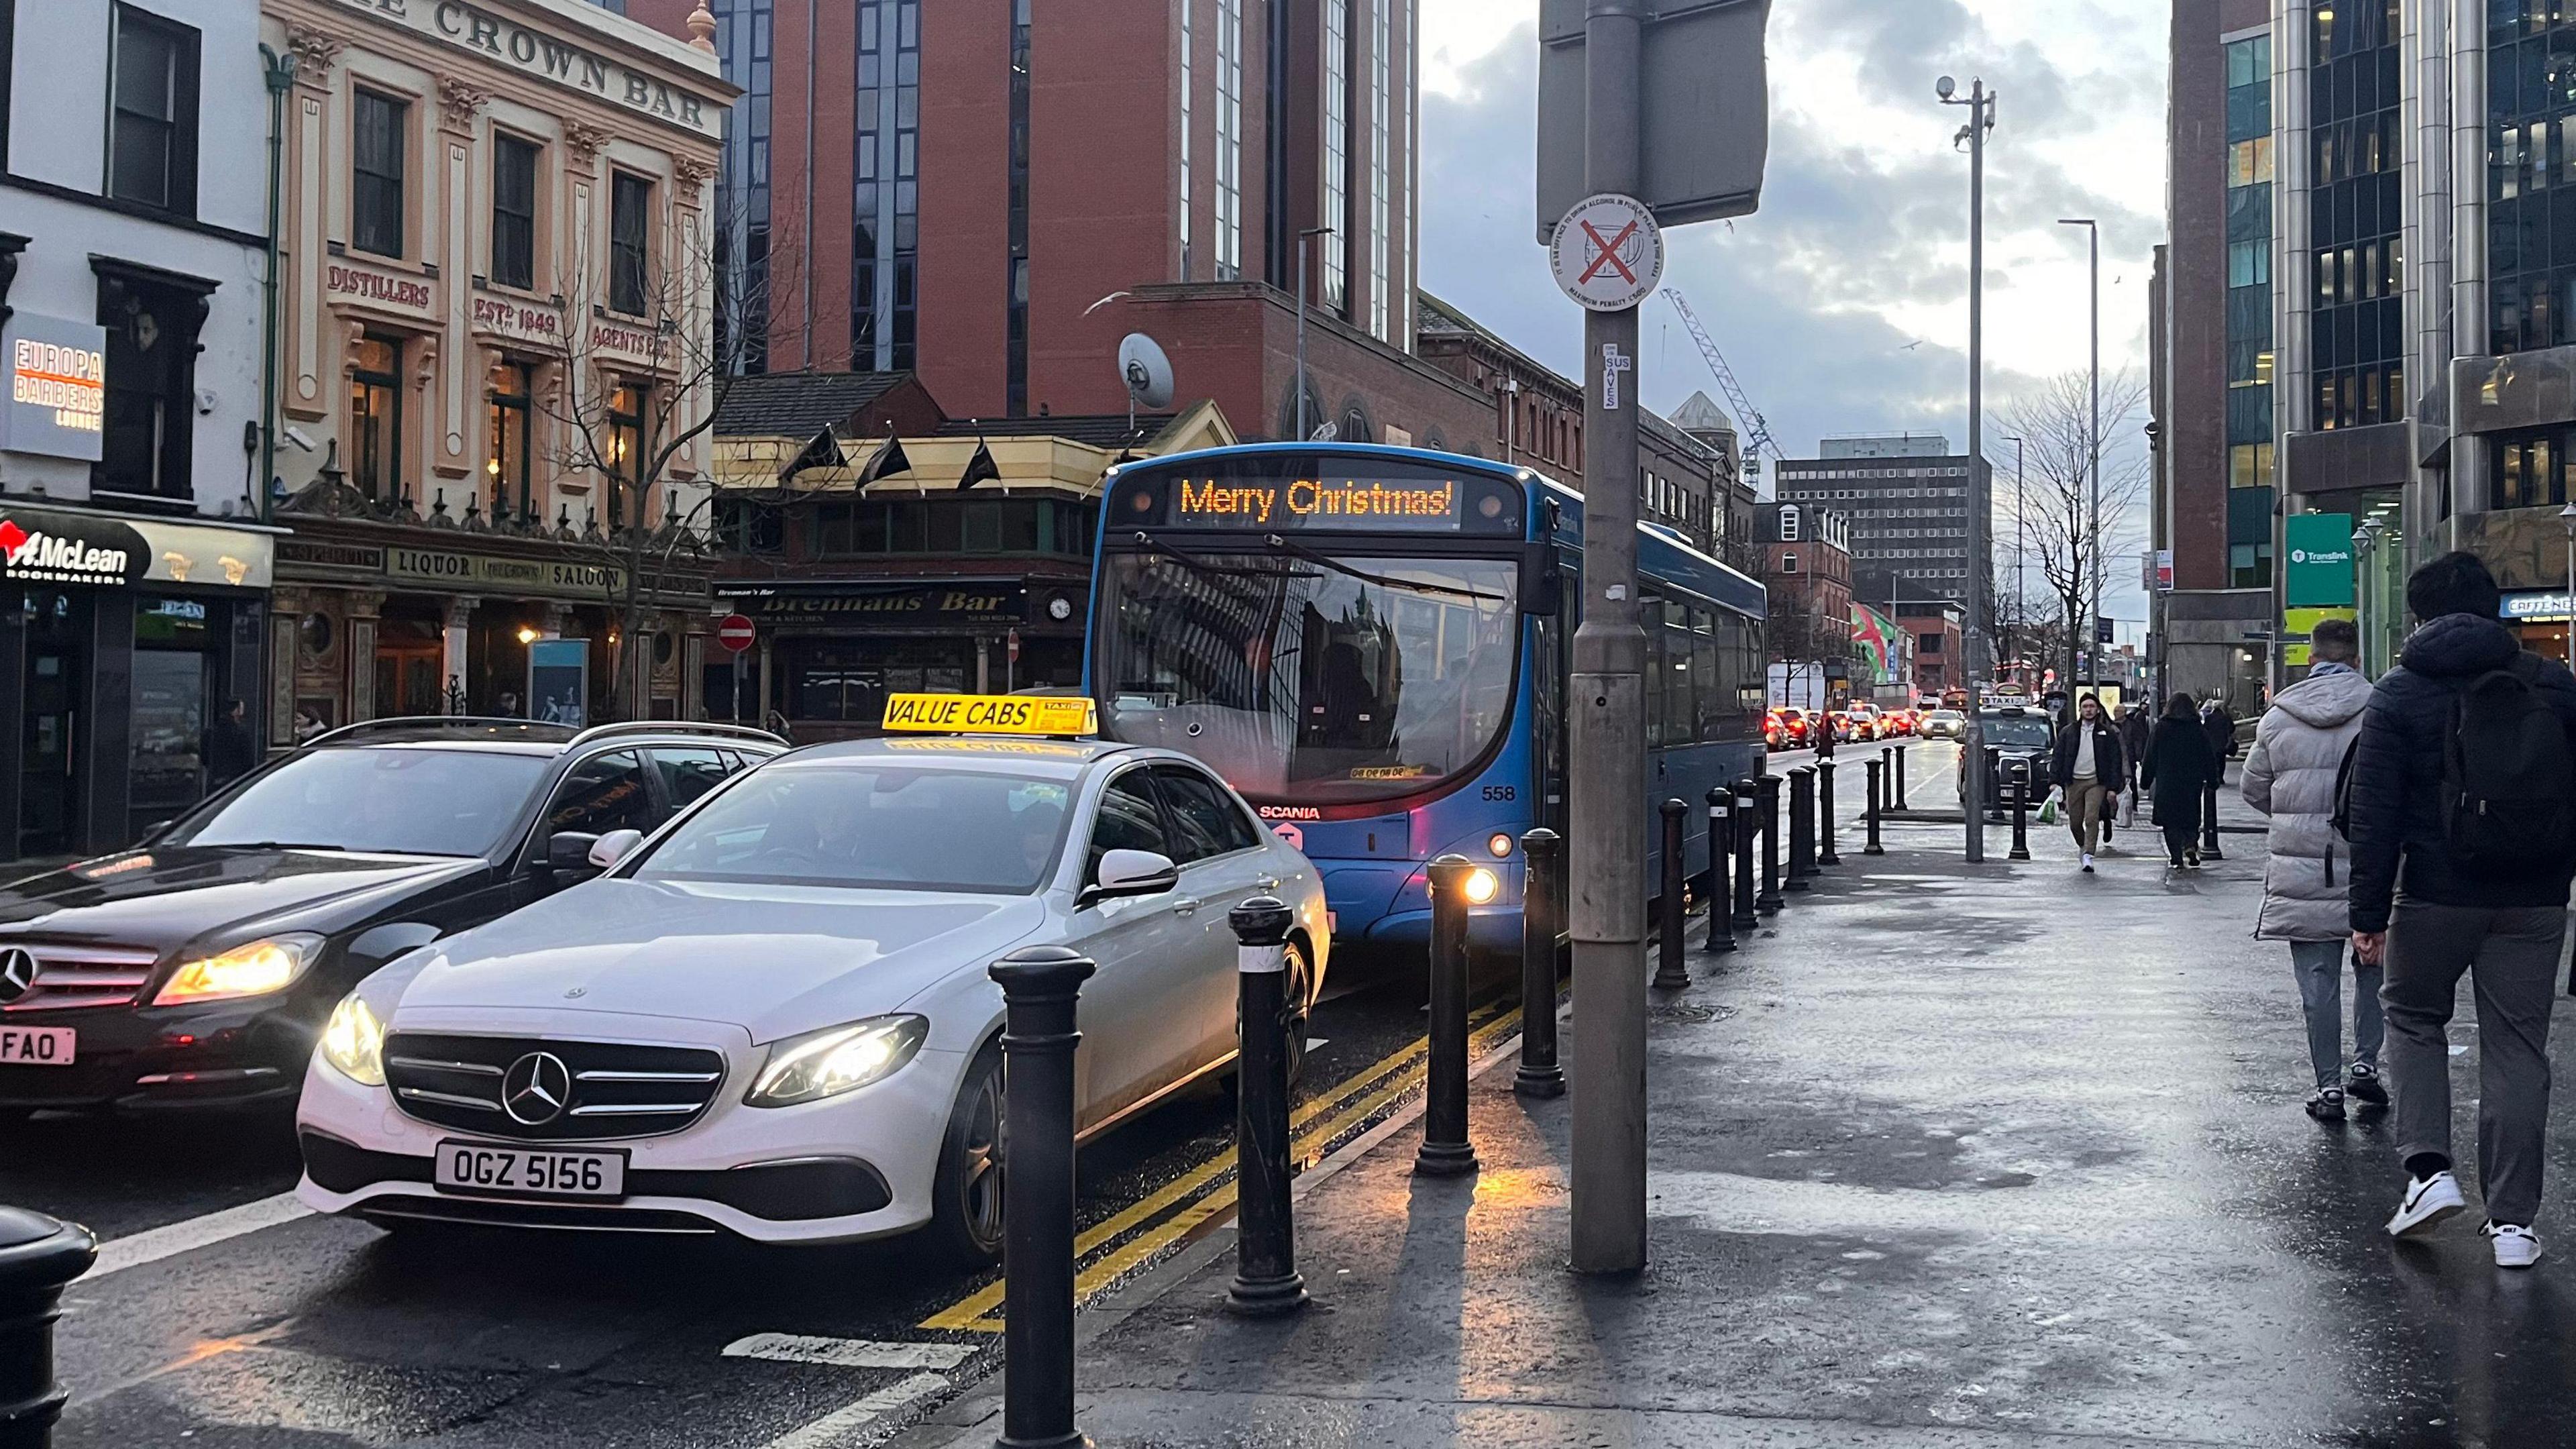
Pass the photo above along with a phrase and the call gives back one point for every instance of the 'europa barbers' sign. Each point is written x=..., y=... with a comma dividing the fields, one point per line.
x=56, y=376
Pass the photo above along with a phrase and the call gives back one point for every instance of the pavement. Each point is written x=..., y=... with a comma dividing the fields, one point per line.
x=1945, y=1158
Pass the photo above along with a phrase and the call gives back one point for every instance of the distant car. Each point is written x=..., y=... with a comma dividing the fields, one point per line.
x=1788, y=728
x=1862, y=723
x=774, y=1019
x=200, y=966
x=1944, y=724
x=2018, y=741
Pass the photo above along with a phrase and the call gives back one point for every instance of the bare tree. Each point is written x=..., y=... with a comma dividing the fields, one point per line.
x=644, y=374
x=2055, y=422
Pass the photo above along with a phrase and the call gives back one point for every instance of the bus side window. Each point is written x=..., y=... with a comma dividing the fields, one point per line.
x=1713, y=686
x=1650, y=616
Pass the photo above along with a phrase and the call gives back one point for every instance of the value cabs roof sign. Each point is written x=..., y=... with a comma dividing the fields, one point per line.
x=988, y=714
x=56, y=374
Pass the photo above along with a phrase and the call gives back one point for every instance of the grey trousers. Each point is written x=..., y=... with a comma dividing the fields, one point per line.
x=2511, y=957
x=2319, y=967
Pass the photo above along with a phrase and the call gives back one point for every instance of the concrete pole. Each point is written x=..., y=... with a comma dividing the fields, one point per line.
x=1606, y=905
x=1980, y=103
x=2093, y=522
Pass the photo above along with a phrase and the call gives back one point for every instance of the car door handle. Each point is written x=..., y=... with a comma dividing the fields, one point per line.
x=1186, y=908
x=1268, y=882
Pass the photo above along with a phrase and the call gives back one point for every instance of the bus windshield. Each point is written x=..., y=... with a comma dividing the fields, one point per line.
x=1309, y=679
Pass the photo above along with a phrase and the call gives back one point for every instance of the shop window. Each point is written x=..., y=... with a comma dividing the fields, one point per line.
x=376, y=145
x=630, y=213
x=376, y=418
x=625, y=452
x=152, y=319
x=509, y=467
x=152, y=116
x=514, y=212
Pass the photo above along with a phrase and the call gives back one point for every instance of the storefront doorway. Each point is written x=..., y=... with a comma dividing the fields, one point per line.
x=410, y=655
x=48, y=815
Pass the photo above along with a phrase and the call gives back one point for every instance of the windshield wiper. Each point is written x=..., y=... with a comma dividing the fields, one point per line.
x=1380, y=580
x=275, y=845
x=1195, y=564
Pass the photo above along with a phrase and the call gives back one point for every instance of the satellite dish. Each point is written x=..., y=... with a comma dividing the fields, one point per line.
x=1147, y=371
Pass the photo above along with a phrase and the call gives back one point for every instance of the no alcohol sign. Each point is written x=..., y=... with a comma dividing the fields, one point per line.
x=1608, y=253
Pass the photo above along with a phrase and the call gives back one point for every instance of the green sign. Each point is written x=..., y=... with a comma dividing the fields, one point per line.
x=2320, y=573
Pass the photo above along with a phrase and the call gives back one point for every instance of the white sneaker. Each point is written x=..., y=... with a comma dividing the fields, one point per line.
x=2088, y=862
x=2515, y=1247
x=2429, y=1203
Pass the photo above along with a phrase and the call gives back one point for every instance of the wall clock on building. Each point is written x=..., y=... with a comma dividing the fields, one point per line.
x=1059, y=609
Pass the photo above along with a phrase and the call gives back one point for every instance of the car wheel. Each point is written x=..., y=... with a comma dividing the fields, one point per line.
x=1301, y=1009
x=966, y=1197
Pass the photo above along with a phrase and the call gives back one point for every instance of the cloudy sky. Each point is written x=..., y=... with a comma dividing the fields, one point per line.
x=1842, y=304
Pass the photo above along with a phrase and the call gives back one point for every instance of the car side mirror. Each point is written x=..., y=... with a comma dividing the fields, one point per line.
x=1130, y=873
x=613, y=847
x=570, y=850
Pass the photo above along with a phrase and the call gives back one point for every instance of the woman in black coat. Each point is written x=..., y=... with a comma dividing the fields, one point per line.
x=2180, y=767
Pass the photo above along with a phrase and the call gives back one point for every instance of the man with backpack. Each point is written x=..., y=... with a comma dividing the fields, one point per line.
x=2461, y=808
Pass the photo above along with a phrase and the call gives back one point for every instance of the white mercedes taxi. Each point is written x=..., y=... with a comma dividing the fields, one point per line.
x=772, y=1018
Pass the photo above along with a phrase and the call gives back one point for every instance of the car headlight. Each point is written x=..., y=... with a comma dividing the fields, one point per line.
x=837, y=1059
x=353, y=1042
x=254, y=968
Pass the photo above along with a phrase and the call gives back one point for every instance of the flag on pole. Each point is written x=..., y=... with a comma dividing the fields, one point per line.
x=980, y=468
x=889, y=460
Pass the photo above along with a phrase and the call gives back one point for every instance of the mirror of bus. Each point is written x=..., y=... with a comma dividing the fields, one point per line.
x=1542, y=587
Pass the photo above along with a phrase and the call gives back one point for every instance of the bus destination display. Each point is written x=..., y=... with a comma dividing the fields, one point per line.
x=1352, y=502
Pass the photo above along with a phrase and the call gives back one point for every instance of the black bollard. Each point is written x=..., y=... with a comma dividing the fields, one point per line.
x=1670, y=974
x=1748, y=824
x=1995, y=783
x=1266, y=1282
x=1721, y=892
x=37, y=1257
x=1770, y=900
x=1040, y=986
x=2021, y=815
x=1543, y=850
x=1802, y=827
x=1899, y=799
x=1877, y=783
x=1825, y=853
x=1445, y=1151
x=2209, y=823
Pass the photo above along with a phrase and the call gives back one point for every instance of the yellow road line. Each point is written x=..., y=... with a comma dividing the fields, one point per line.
x=1350, y=1102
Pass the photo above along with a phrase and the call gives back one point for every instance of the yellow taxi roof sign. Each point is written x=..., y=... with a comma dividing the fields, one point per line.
x=992, y=714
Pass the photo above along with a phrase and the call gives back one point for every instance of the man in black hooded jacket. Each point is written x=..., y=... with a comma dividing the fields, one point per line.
x=2501, y=927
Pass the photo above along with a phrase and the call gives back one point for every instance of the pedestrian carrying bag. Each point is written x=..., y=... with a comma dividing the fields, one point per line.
x=2048, y=809
x=2508, y=781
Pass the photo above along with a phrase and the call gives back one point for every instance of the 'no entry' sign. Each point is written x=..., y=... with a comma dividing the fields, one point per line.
x=737, y=633
x=1608, y=253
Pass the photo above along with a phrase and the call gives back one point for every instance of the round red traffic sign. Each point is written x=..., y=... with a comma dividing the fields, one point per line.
x=736, y=633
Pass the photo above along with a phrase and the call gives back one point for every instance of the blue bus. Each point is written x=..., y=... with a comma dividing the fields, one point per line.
x=1372, y=645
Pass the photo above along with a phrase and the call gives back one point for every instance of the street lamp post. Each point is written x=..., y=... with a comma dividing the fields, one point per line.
x=2567, y=516
x=1303, y=237
x=2361, y=609
x=1981, y=119
x=2093, y=449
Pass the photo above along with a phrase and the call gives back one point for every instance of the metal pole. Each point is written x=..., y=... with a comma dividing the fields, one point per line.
x=2093, y=506
x=2021, y=816
x=1802, y=826
x=278, y=72
x=1747, y=824
x=1877, y=772
x=1670, y=973
x=1980, y=103
x=1825, y=853
x=1266, y=1281
x=1445, y=1151
x=1721, y=891
x=1608, y=734
x=1903, y=799
x=1543, y=854
x=37, y=1257
x=1040, y=986
x=1770, y=900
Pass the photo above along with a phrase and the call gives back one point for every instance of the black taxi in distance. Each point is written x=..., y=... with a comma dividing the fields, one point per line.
x=199, y=967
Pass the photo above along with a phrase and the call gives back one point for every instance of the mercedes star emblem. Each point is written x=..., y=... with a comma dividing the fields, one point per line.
x=17, y=973
x=536, y=1089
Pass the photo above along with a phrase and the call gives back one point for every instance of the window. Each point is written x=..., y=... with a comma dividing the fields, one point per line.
x=1129, y=819
x=1337, y=156
x=514, y=212
x=2531, y=468
x=376, y=418
x=1015, y=276
x=746, y=526
x=630, y=220
x=688, y=774
x=509, y=467
x=626, y=451
x=1229, y=139
x=1188, y=87
x=603, y=793
x=1381, y=59
x=1788, y=563
x=1204, y=821
x=152, y=120
x=376, y=150
x=152, y=318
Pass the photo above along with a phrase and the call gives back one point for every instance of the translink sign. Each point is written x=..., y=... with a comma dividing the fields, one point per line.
x=2320, y=571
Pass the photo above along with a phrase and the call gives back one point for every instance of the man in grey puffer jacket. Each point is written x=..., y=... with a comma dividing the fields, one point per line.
x=2298, y=754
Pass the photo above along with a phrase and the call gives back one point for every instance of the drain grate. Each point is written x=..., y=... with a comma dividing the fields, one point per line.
x=1692, y=1013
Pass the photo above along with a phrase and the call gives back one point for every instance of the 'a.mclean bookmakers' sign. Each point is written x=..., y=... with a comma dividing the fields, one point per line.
x=505, y=40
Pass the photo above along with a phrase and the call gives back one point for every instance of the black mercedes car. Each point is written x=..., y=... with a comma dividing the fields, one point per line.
x=198, y=967
x=2019, y=741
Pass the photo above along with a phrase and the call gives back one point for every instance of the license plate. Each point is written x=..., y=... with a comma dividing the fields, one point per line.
x=36, y=1046
x=484, y=1167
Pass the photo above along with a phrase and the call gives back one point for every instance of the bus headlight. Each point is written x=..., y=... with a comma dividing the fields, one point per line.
x=1500, y=845
x=1481, y=886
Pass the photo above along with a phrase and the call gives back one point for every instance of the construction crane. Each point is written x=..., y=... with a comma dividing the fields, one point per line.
x=1757, y=433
